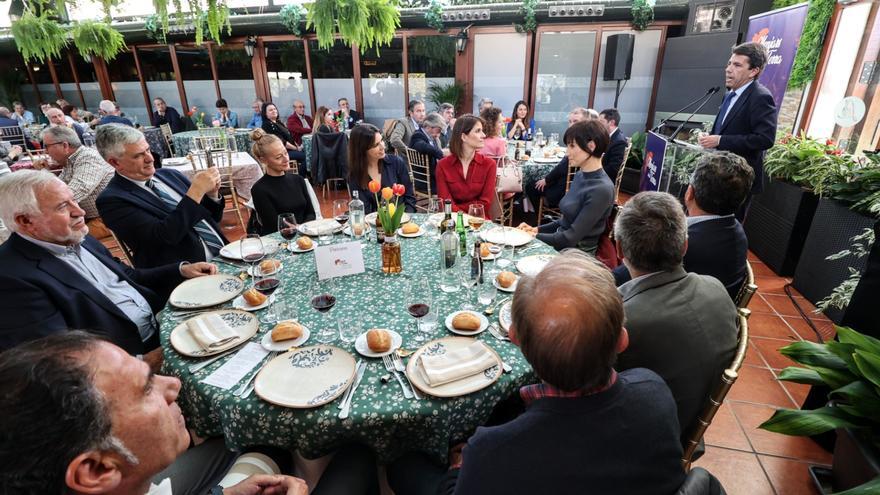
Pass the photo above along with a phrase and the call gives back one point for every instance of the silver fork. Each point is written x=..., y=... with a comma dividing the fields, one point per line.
x=389, y=365
x=497, y=332
x=398, y=365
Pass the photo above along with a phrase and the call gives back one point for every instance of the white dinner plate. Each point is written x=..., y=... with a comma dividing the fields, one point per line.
x=250, y=270
x=206, y=291
x=243, y=323
x=347, y=229
x=363, y=349
x=316, y=227
x=293, y=248
x=436, y=218
x=532, y=265
x=420, y=233
x=484, y=324
x=242, y=304
x=542, y=159
x=271, y=345
x=507, y=235
x=464, y=386
x=512, y=288
x=306, y=377
x=505, y=315
x=371, y=218
x=233, y=249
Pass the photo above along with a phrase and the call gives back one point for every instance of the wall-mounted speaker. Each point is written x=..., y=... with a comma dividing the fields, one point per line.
x=619, y=57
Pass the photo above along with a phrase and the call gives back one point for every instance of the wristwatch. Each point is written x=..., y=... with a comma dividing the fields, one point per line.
x=217, y=490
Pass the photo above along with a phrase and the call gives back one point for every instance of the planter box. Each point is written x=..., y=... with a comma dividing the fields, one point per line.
x=834, y=224
x=856, y=461
x=777, y=224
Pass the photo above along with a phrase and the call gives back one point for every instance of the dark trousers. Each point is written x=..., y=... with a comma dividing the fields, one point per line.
x=351, y=472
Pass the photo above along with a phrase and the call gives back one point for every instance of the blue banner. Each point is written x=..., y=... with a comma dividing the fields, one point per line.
x=780, y=32
x=652, y=168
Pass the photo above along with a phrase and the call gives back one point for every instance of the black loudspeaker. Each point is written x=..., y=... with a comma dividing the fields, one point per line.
x=619, y=57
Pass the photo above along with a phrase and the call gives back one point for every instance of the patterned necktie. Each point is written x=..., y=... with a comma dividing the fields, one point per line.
x=722, y=114
x=203, y=229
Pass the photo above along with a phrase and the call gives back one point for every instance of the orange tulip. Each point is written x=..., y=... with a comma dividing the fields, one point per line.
x=398, y=189
x=374, y=186
x=387, y=193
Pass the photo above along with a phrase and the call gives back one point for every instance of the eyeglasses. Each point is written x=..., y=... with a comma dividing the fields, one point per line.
x=46, y=145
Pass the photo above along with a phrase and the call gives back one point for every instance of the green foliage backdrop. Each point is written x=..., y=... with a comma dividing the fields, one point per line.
x=812, y=40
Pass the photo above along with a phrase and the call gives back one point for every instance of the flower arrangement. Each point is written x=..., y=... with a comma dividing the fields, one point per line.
x=341, y=123
x=389, y=213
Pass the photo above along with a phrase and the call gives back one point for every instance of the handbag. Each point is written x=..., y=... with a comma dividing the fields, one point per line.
x=510, y=179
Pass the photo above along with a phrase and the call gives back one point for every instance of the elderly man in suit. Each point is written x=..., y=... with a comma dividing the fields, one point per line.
x=403, y=129
x=159, y=214
x=426, y=141
x=746, y=122
x=54, y=276
x=681, y=325
x=612, y=160
x=299, y=124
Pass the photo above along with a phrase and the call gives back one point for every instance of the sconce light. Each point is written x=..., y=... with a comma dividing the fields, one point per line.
x=461, y=39
x=249, y=44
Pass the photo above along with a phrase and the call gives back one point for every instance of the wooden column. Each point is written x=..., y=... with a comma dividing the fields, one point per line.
x=54, y=75
x=214, y=69
x=144, y=90
x=358, y=86
x=657, y=69
x=82, y=98
x=309, y=75
x=103, y=78
x=405, y=75
x=180, y=89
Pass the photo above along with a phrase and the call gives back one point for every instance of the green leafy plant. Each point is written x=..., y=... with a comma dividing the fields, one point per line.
x=321, y=16
x=637, y=151
x=446, y=93
x=433, y=16
x=37, y=37
x=97, y=38
x=850, y=366
x=642, y=14
x=812, y=38
x=153, y=26
x=292, y=16
x=530, y=23
x=365, y=23
x=383, y=19
x=862, y=189
x=841, y=295
x=809, y=163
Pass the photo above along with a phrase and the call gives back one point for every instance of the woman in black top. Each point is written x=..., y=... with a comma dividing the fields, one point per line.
x=368, y=161
x=272, y=124
x=276, y=192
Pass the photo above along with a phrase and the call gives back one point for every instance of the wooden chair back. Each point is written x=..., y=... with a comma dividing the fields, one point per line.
x=748, y=289
x=294, y=167
x=122, y=249
x=419, y=166
x=554, y=210
x=620, y=171
x=12, y=134
x=166, y=135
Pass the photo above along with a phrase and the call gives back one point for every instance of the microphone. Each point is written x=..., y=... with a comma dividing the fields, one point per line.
x=709, y=92
x=679, y=128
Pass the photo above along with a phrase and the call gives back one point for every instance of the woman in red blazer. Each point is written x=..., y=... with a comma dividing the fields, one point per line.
x=465, y=176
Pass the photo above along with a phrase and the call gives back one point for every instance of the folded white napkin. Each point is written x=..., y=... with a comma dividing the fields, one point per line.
x=211, y=332
x=458, y=364
x=323, y=226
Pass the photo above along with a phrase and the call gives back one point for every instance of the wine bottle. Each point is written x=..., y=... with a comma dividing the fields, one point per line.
x=447, y=216
x=462, y=235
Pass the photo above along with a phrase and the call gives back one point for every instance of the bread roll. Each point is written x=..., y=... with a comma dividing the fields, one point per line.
x=484, y=249
x=378, y=340
x=269, y=266
x=410, y=228
x=304, y=243
x=253, y=297
x=286, y=330
x=506, y=279
x=466, y=321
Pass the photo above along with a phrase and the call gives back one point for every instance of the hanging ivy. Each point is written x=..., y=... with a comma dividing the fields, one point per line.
x=530, y=23
x=292, y=16
x=37, y=37
x=642, y=14
x=433, y=16
x=366, y=23
x=97, y=38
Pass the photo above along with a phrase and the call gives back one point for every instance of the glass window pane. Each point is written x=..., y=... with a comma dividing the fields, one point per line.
x=286, y=64
x=565, y=69
x=333, y=73
x=499, y=69
x=88, y=84
x=431, y=61
x=159, y=76
x=127, y=87
x=62, y=69
x=198, y=80
x=382, y=84
x=22, y=83
x=236, y=80
x=635, y=98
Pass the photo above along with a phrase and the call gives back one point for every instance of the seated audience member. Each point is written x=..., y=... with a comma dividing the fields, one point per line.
x=426, y=141
x=110, y=112
x=368, y=161
x=257, y=119
x=21, y=114
x=71, y=115
x=224, y=115
x=326, y=121
x=681, y=325
x=485, y=103
x=552, y=186
x=403, y=129
x=56, y=118
x=521, y=126
x=494, y=145
x=277, y=191
x=272, y=125
x=352, y=117
x=299, y=124
x=717, y=244
x=166, y=115
x=7, y=120
x=466, y=176
x=159, y=214
x=447, y=110
x=127, y=431
x=612, y=160
x=587, y=204
x=9, y=153
x=586, y=428
x=84, y=171
x=54, y=276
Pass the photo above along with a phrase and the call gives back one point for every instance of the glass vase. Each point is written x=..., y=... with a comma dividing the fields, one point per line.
x=391, y=254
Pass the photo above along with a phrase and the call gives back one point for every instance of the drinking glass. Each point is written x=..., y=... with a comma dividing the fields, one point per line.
x=340, y=210
x=487, y=291
x=252, y=250
x=434, y=206
x=267, y=282
x=323, y=300
x=428, y=323
x=349, y=328
x=468, y=280
x=477, y=215
x=505, y=258
x=418, y=304
x=287, y=226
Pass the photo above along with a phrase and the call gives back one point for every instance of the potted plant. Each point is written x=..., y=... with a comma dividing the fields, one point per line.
x=451, y=93
x=850, y=368
x=97, y=38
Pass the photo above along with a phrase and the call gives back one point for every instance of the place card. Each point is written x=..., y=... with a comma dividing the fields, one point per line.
x=339, y=260
x=234, y=370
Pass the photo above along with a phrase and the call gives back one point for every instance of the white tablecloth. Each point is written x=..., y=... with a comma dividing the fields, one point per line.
x=246, y=171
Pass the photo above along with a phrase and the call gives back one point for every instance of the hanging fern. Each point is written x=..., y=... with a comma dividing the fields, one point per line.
x=530, y=23
x=97, y=38
x=366, y=23
x=216, y=18
x=433, y=16
x=643, y=14
x=352, y=16
x=382, y=22
x=38, y=38
x=292, y=16
x=321, y=15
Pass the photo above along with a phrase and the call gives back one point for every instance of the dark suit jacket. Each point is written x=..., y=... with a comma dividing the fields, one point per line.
x=612, y=160
x=41, y=295
x=353, y=117
x=394, y=171
x=426, y=145
x=297, y=131
x=140, y=219
x=171, y=117
x=718, y=248
x=750, y=129
x=554, y=190
x=682, y=326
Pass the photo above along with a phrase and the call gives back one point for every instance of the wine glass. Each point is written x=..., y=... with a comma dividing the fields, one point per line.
x=418, y=304
x=432, y=229
x=469, y=276
x=323, y=301
x=252, y=250
x=340, y=211
x=476, y=215
x=287, y=226
x=266, y=281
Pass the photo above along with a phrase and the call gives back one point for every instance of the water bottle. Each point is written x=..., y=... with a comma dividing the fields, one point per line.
x=539, y=138
x=449, y=279
x=356, y=216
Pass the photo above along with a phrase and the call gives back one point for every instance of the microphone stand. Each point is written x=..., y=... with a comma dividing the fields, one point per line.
x=679, y=128
x=710, y=92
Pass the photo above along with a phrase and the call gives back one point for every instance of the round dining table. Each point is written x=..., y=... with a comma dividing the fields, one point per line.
x=183, y=141
x=380, y=416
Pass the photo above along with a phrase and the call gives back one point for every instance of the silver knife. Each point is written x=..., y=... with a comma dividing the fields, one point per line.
x=357, y=381
x=347, y=393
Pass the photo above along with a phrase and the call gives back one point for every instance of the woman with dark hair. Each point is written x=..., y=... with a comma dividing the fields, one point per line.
x=368, y=161
x=466, y=177
x=587, y=204
x=224, y=115
x=494, y=145
x=521, y=125
x=325, y=121
x=272, y=124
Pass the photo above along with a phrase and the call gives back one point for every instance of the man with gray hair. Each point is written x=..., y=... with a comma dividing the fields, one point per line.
x=159, y=214
x=56, y=118
x=426, y=140
x=54, y=276
x=110, y=111
x=447, y=110
x=484, y=103
x=681, y=325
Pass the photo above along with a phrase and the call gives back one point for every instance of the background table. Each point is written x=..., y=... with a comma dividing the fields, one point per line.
x=307, y=149
x=183, y=141
x=380, y=417
x=157, y=144
x=246, y=171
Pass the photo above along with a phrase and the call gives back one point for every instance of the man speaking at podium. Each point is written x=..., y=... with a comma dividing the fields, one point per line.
x=746, y=122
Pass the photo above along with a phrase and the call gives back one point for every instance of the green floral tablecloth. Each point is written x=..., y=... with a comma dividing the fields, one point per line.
x=183, y=141
x=307, y=149
x=380, y=417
